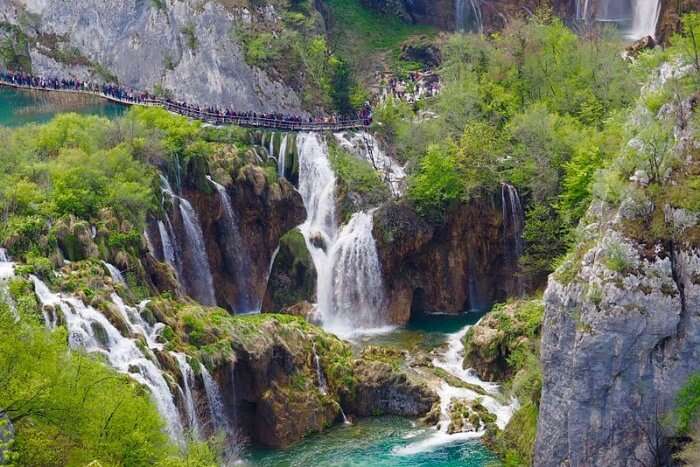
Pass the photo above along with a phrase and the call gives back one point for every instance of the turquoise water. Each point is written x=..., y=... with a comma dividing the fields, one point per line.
x=374, y=441
x=20, y=107
x=371, y=442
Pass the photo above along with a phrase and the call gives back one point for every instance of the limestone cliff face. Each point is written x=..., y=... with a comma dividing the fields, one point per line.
x=454, y=266
x=187, y=47
x=621, y=333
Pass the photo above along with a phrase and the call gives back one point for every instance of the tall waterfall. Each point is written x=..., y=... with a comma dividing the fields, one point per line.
x=237, y=256
x=88, y=329
x=468, y=16
x=513, y=225
x=195, y=274
x=645, y=19
x=350, y=289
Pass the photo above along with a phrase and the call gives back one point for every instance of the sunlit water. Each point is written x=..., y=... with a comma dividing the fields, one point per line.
x=388, y=441
x=21, y=107
x=372, y=442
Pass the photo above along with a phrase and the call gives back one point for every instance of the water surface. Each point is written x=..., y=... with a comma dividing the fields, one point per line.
x=20, y=107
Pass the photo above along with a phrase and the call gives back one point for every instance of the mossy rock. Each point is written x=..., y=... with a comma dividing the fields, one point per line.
x=293, y=276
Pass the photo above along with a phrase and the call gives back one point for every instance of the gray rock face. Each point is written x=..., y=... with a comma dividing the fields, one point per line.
x=187, y=47
x=617, y=347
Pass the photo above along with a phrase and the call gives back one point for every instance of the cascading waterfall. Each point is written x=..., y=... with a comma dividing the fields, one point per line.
x=199, y=283
x=451, y=362
x=237, y=257
x=88, y=329
x=187, y=385
x=350, y=289
x=645, y=18
x=114, y=273
x=352, y=295
x=366, y=146
x=468, y=16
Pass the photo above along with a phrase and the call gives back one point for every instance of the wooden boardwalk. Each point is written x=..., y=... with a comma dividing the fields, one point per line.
x=209, y=117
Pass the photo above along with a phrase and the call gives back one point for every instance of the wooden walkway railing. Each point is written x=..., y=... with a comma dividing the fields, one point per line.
x=210, y=117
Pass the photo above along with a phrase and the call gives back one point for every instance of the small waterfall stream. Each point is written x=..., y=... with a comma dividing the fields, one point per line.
x=350, y=289
x=114, y=273
x=90, y=330
x=468, y=16
x=187, y=385
x=194, y=267
x=321, y=380
x=237, y=257
x=7, y=272
x=215, y=402
x=282, y=158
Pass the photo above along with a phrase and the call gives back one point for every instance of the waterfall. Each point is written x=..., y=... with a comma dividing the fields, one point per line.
x=282, y=158
x=351, y=293
x=645, y=18
x=322, y=386
x=187, y=385
x=237, y=257
x=198, y=282
x=513, y=225
x=468, y=17
x=583, y=10
x=167, y=244
x=513, y=218
x=366, y=146
x=451, y=362
x=114, y=273
x=271, y=149
x=349, y=289
x=7, y=272
x=88, y=329
x=217, y=410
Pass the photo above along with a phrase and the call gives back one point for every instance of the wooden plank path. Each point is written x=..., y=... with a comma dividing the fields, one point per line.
x=209, y=117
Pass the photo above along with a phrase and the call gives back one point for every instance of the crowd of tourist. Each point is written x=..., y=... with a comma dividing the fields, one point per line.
x=210, y=113
x=416, y=86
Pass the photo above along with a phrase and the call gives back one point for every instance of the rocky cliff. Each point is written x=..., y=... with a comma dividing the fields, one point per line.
x=452, y=266
x=187, y=48
x=621, y=333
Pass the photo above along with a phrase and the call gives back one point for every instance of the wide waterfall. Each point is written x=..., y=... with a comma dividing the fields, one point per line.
x=90, y=330
x=237, y=257
x=350, y=289
x=468, y=16
x=645, y=19
x=193, y=266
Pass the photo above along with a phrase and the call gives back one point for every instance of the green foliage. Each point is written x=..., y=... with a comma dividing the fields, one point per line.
x=190, y=36
x=545, y=240
x=437, y=182
x=69, y=409
x=687, y=404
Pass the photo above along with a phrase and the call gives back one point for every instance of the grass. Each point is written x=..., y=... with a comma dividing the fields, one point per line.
x=361, y=29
